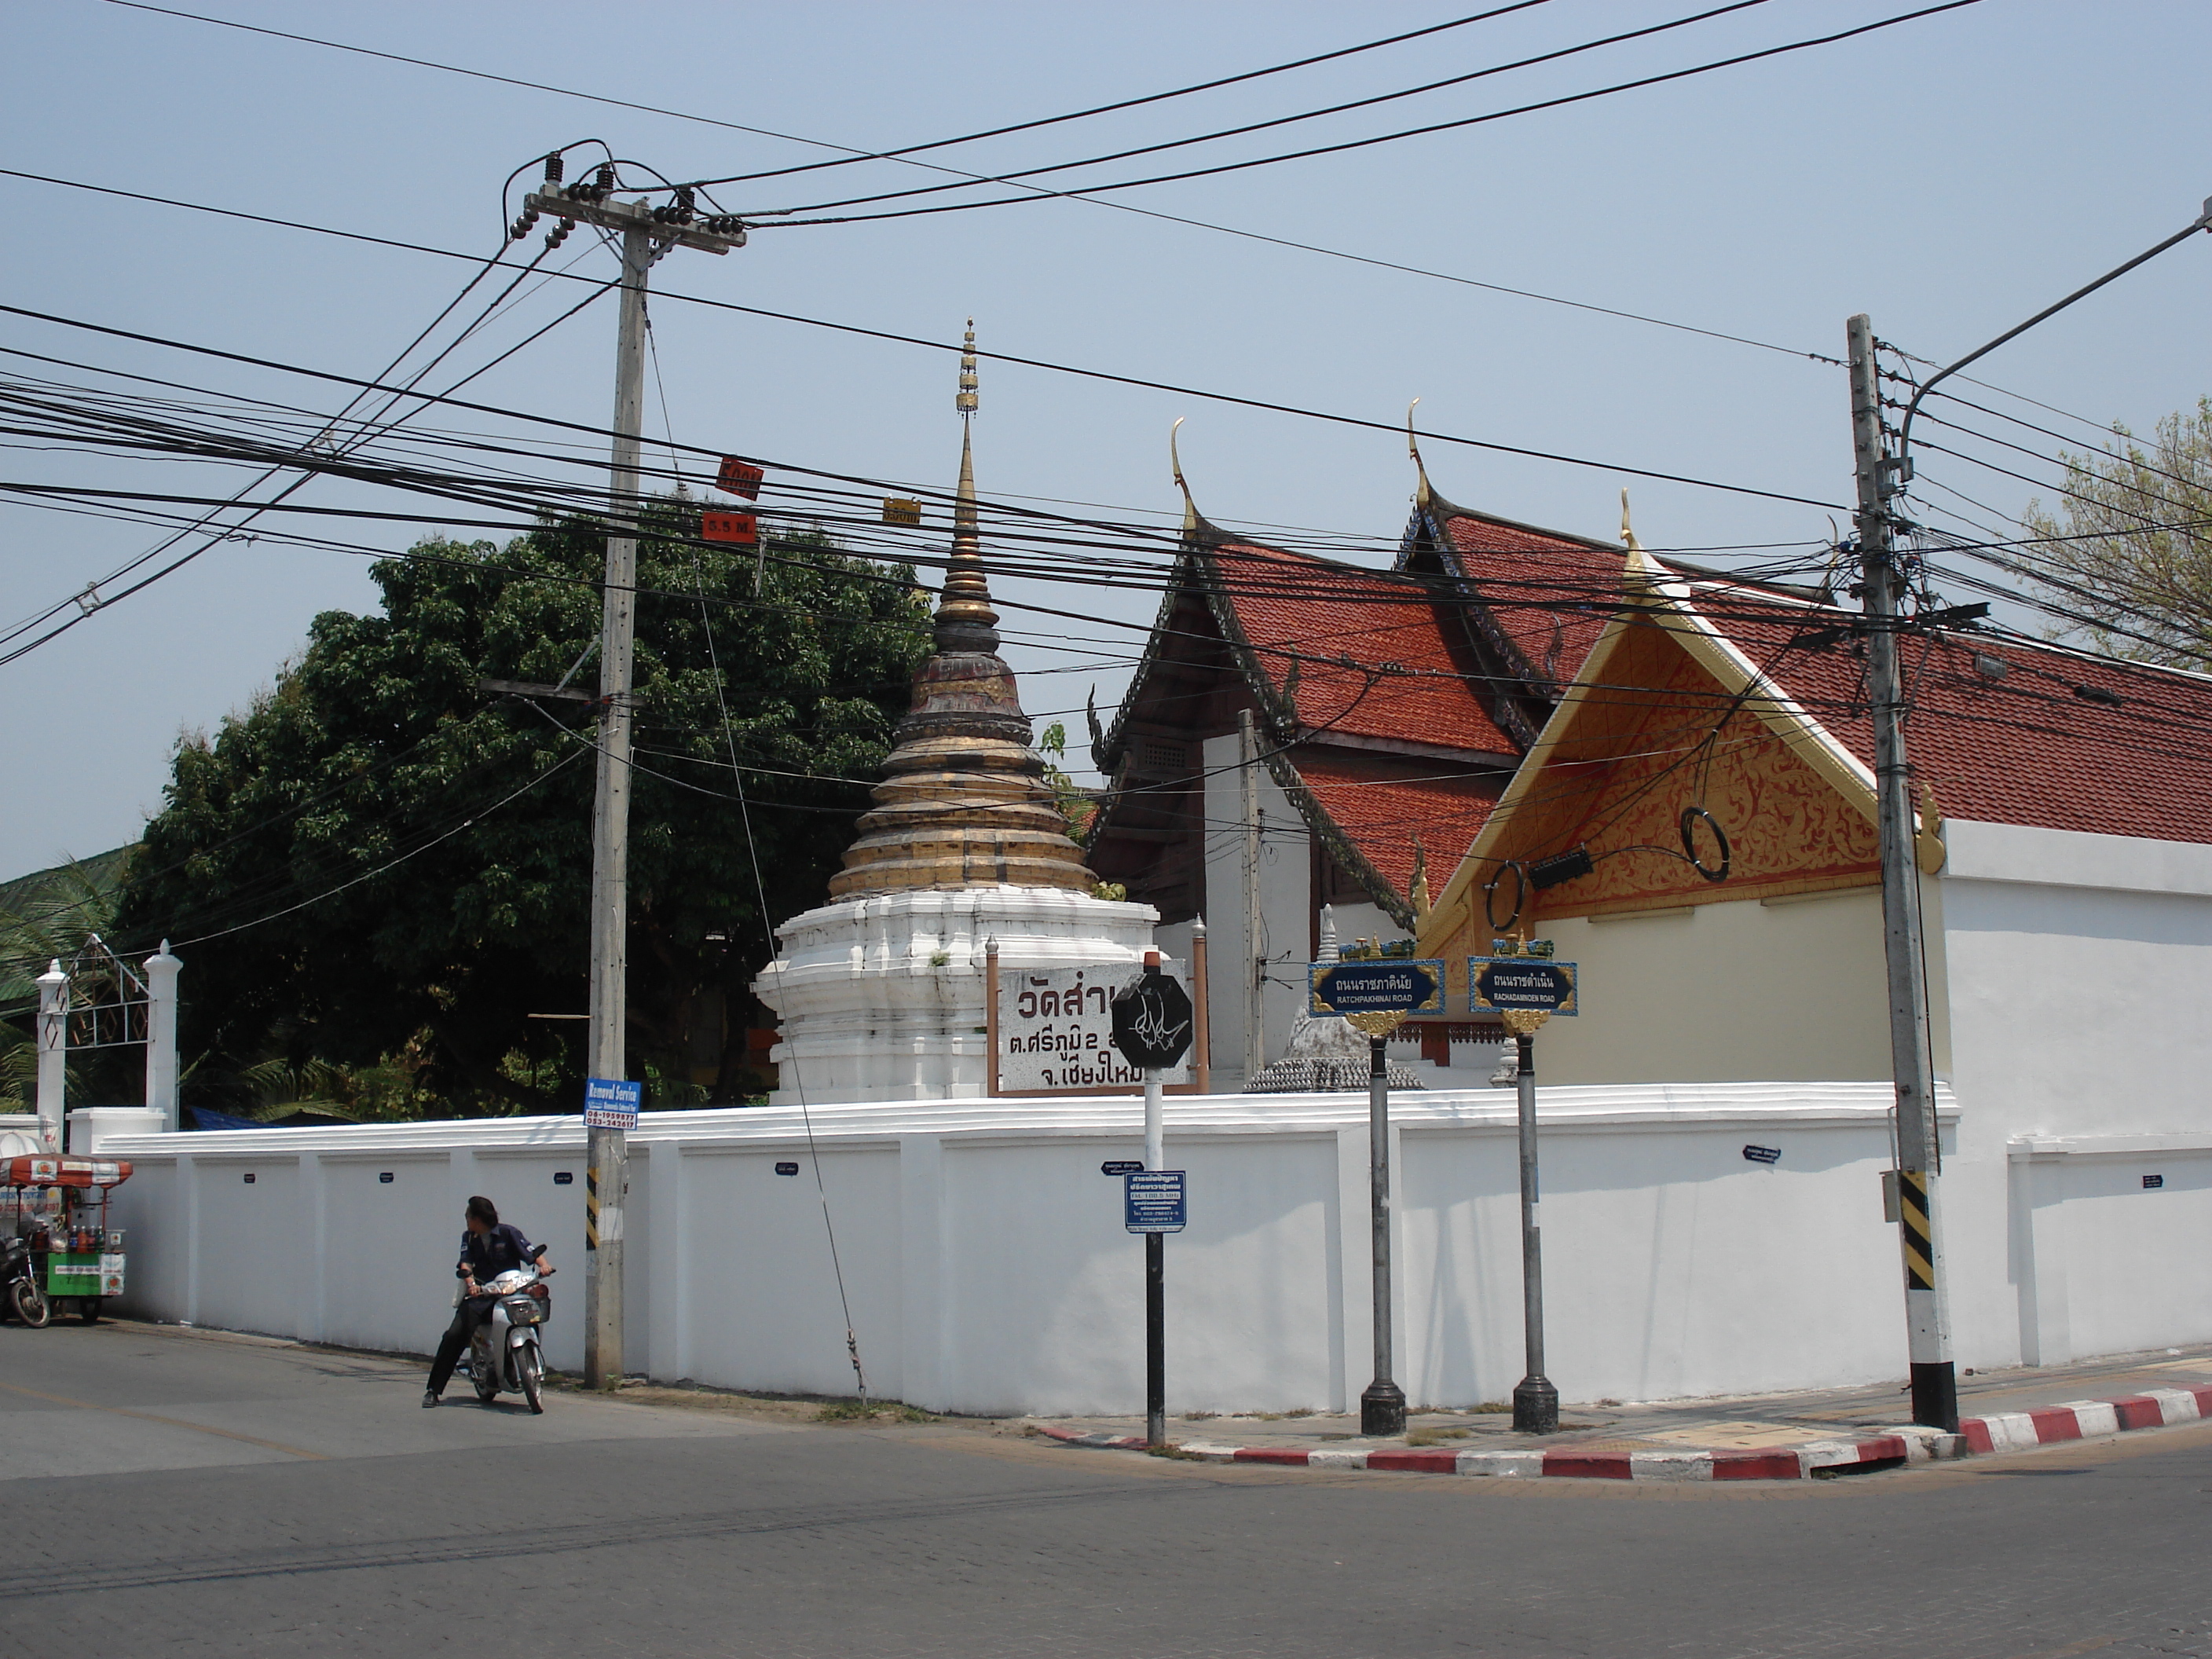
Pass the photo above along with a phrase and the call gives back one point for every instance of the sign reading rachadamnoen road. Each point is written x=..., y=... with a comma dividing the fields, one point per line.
x=1499, y=984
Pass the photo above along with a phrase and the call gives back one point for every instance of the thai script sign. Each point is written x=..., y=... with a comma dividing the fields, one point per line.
x=1399, y=985
x=1056, y=1030
x=1500, y=984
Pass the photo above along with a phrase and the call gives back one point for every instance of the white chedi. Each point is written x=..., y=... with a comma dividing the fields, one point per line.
x=881, y=998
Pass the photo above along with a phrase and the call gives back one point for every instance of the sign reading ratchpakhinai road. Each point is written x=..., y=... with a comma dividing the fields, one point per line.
x=1377, y=985
x=1498, y=985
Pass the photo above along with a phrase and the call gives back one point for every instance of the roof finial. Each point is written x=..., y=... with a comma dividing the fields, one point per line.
x=1191, y=520
x=1413, y=448
x=965, y=620
x=1627, y=530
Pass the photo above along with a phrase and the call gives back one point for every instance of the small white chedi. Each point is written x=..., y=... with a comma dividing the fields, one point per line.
x=881, y=992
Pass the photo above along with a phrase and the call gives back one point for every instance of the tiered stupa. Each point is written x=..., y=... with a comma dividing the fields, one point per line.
x=881, y=992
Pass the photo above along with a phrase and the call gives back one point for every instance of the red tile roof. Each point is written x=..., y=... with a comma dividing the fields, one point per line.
x=1381, y=804
x=2024, y=748
x=1548, y=594
x=1318, y=613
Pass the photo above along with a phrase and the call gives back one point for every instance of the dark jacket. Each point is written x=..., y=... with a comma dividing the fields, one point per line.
x=486, y=1255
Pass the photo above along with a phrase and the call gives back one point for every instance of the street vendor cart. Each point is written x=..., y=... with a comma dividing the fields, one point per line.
x=59, y=1207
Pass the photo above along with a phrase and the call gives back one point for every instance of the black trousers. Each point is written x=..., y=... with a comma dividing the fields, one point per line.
x=473, y=1312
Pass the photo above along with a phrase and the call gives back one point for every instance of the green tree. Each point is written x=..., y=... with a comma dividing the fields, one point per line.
x=2134, y=547
x=406, y=859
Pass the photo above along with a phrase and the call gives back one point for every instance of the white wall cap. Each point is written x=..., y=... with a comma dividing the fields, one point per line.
x=2074, y=857
x=1735, y=1107
x=2039, y=1147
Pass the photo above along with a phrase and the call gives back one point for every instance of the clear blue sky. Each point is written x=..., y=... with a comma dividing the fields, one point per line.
x=1949, y=176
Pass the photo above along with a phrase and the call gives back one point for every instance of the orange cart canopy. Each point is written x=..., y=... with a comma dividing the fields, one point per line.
x=82, y=1172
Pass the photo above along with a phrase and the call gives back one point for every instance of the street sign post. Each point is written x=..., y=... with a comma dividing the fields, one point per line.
x=1524, y=986
x=1153, y=1025
x=1375, y=995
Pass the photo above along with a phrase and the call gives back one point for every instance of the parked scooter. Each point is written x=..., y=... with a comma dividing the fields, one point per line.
x=19, y=1283
x=504, y=1357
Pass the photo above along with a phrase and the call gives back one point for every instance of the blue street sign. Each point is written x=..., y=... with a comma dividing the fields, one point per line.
x=1377, y=985
x=1152, y=1201
x=1495, y=984
x=610, y=1104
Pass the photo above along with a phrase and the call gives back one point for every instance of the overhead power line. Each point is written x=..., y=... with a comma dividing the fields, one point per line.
x=905, y=158
x=1290, y=120
x=1391, y=427
x=1408, y=132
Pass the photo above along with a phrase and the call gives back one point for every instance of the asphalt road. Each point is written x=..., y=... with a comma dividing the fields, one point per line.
x=172, y=1493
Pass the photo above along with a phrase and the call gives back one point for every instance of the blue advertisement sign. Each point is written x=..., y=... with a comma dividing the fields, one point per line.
x=1152, y=1201
x=1377, y=985
x=611, y=1104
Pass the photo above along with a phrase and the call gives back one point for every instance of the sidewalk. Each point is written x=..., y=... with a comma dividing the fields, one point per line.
x=1787, y=1437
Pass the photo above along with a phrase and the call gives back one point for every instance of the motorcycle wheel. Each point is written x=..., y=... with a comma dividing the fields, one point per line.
x=30, y=1303
x=533, y=1376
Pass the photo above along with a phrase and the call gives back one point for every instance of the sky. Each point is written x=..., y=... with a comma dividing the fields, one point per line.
x=1949, y=176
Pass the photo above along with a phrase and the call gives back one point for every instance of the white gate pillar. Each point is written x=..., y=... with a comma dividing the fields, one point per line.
x=161, y=972
x=53, y=1055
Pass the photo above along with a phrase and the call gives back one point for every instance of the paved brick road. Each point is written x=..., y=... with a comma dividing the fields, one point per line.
x=247, y=1498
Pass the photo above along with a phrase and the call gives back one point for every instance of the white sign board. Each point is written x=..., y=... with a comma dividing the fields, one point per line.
x=1056, y=1028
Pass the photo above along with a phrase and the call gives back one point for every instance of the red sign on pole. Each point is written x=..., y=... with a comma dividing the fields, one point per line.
x=739, y=527
x=738, y=478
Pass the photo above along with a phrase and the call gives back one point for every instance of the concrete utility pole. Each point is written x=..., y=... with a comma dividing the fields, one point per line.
x=1919, y=1154
x=161, y=972
x=1256, y=989
x=53, y=1055
x=647, y=232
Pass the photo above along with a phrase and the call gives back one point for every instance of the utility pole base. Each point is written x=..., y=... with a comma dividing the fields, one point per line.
x=1382, y=1410
x=1536, y=1406
x=1935, y=1395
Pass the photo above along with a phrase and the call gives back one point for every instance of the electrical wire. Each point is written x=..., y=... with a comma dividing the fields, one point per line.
x=1392, y=137
x=1279, y=120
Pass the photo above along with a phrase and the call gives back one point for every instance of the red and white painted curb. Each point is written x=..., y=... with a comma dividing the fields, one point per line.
x=1758, y=1463
x=2082, y=1418
x=2012, y=1431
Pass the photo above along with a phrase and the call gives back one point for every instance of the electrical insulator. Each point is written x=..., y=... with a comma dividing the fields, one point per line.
x=553, y=168
x=559, y=234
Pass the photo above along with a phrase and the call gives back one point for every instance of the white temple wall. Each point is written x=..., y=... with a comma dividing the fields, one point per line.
x=988, y=1271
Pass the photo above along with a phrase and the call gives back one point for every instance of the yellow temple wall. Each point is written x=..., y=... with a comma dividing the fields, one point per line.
x=1782, y=990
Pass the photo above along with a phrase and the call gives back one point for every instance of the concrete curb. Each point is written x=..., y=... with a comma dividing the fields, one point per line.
x=2078, y=1419
x=1757, y=1463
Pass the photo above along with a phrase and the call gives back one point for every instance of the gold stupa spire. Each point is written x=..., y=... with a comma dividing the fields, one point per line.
x=964, y=801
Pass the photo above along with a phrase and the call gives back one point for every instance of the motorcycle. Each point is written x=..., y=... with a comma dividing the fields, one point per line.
x=504, y=1357
x=19, y=1280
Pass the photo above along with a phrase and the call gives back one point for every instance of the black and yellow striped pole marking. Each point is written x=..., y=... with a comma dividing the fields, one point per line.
x=591, y=1216
x=1934, y=1383
x=1917, y=1235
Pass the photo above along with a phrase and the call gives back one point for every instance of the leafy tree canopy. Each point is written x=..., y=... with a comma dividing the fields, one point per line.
x=378, y=865
x=2134, y=547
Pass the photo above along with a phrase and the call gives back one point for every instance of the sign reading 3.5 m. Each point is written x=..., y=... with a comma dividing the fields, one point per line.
x=1056, y=1030
x=1498, y=985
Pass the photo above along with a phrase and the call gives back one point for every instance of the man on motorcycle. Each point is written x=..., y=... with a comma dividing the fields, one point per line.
x=490, y=1247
